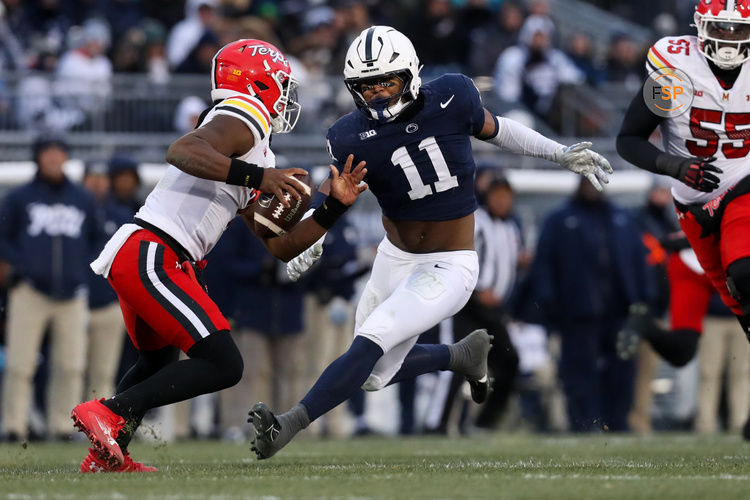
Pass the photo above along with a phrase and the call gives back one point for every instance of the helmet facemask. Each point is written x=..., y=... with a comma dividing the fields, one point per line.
x=286, y=108
x=382, y=109
x=725, y=42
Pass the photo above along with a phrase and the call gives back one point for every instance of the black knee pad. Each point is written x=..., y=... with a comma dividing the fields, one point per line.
x=738, y=283
x=219, y=348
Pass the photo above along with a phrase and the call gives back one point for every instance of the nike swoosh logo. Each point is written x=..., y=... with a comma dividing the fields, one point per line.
x=445, y=104
x=440, y=267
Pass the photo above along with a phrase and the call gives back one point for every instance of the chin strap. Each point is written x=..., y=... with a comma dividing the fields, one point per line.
x=385, y=114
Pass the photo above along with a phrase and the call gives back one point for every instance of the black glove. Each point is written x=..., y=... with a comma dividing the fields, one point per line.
x=697, y=173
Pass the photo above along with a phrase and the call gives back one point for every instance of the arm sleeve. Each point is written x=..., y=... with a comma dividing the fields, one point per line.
x=520, y=139
x=632, y=141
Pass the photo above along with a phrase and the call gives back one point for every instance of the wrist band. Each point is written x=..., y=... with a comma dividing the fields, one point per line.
x=328, y=213
x=245, y=174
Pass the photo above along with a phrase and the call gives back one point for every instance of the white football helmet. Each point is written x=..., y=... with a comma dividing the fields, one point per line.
x=377, y=52
x=724, y=31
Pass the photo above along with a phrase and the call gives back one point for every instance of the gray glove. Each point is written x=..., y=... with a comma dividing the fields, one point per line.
x=304, y=261
x=579, y=159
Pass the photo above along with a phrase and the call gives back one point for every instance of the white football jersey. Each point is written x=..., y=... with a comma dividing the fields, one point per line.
x=716, y=124
x=195, y=211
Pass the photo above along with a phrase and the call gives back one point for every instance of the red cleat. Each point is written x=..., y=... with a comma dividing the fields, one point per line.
x=101, y=425
x=129, y=465
x=93, y=464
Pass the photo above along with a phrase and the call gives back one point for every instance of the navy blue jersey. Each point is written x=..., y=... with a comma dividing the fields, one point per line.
x=420, y=167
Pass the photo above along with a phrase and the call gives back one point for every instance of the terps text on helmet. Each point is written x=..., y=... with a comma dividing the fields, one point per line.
x=262, y=50
x=668, y=92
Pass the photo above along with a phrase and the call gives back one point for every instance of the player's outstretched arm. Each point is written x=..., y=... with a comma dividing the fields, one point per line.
x=207, y=153
x=512, y=136
x=634, y=146
x=345, y=188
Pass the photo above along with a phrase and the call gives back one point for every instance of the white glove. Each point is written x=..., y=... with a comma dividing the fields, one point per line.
x=579, y=159
x=304, y=261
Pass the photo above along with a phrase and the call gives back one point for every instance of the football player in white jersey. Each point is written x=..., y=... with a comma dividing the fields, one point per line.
x=705, y=149
x=216, y=171
x=416, y=140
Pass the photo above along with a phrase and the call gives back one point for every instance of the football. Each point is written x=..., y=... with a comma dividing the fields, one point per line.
x=272, y=218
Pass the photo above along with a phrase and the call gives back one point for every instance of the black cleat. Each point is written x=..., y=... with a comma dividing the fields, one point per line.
x=638, y=322
x=481, y=389
x=469, y=358
x=267, y=430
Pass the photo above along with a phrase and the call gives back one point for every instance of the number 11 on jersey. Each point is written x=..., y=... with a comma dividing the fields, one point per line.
x=419, y=190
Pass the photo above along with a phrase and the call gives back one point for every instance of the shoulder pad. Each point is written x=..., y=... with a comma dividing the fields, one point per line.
x=670, y=52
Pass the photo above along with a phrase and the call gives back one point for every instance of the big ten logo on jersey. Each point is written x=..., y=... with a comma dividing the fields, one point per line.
x=711, y=126
x=55, y=220
x=263, y=50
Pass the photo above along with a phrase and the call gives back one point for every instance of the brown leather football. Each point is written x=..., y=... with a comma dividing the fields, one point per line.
x=272, y=218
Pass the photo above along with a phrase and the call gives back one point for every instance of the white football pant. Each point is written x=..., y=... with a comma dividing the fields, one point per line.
x=406, y=295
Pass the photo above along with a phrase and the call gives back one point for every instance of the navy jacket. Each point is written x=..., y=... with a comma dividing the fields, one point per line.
x=112, y=215
x=590, y=264
x=50, y=234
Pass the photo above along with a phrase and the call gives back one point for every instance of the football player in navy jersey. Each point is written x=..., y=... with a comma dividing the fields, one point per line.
x=416, y=141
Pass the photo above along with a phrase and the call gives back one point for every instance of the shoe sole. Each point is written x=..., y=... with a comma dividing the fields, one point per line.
x=481, y=388
x=113, y=456
x=262, y=421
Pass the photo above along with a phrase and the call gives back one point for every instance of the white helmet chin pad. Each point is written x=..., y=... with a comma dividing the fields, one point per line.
x=378, y=51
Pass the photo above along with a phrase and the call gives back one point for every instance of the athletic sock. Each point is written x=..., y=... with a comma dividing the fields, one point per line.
x=342, y=378
x=423, y=358
x=468, y=357
x=294, y=420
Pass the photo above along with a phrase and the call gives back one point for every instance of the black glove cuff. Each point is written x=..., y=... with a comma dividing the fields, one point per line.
x=669, y=165
x=242, y=173
x=328, y=213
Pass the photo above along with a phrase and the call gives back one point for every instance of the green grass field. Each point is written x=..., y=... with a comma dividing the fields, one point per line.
x=500, y=466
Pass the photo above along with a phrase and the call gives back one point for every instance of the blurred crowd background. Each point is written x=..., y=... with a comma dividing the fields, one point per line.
x=96, y=90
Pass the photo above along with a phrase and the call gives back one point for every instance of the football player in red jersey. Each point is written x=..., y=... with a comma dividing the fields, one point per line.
x=216, y=171
x=705, y=149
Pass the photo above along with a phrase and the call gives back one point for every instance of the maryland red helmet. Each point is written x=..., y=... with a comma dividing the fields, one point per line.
x=724, y=31
x=259, y=69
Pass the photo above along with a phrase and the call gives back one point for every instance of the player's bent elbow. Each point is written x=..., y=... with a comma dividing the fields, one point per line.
x=175, y=152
